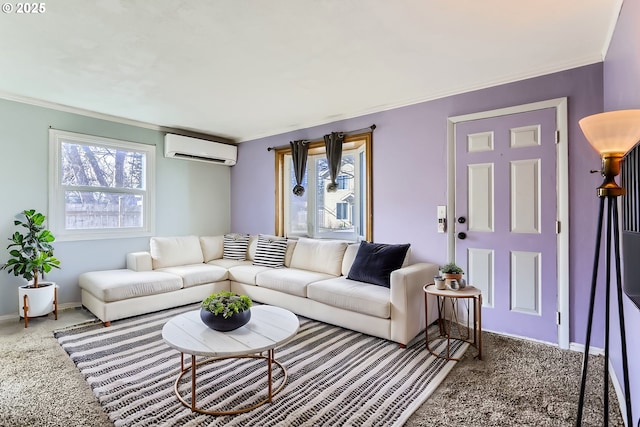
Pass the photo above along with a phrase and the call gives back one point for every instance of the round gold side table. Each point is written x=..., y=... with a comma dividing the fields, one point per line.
x=452, y=329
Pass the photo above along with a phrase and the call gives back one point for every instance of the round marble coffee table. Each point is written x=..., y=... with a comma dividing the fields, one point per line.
x=268, y=328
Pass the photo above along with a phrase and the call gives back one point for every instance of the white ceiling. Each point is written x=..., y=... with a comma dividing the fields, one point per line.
x=243, y=69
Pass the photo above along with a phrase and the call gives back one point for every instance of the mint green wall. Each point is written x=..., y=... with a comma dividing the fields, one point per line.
x=191, y=197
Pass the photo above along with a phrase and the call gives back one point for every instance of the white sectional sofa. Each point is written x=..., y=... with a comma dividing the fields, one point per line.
x=313, y=283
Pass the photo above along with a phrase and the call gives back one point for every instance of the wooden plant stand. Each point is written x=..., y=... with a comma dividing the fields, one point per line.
x=25, y=307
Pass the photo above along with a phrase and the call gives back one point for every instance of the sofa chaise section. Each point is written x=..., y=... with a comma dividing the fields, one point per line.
x=170, y=275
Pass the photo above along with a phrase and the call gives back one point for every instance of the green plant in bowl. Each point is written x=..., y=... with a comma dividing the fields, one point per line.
x=226, y=303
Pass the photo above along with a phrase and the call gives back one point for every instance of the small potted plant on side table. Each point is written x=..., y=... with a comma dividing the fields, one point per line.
x=451, y=272
x=31, y=255
x=225, y=311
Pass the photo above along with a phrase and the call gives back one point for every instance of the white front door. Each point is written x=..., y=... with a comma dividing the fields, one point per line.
x=506, y=209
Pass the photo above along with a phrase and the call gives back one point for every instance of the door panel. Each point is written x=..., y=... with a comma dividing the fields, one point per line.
x=525, y=196
x=506, y=189
x=480, y=267
x=480, y=197
x=525, y=282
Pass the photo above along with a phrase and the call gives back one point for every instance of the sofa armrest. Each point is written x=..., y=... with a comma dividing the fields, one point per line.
x=407, y=300
x=139, y=261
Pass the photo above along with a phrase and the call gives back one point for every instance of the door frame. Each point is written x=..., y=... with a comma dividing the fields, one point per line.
x=562, y=164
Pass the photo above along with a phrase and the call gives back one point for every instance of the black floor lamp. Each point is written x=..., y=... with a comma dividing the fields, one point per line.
x=612, y=134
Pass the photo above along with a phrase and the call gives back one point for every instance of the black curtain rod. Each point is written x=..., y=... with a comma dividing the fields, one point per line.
x=351, y=132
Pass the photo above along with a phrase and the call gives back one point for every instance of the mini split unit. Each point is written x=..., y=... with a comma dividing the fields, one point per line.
x=184, y=147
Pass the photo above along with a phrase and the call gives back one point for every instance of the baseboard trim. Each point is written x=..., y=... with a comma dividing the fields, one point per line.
x=619, y=393
x=65, y=306
x=521, y=337
x=592, y=350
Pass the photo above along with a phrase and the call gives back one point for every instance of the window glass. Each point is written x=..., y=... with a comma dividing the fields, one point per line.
x=297, y=204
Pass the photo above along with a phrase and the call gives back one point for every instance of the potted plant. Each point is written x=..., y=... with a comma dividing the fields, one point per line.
x=225, y=311
x=450, y=272
x=31, y=255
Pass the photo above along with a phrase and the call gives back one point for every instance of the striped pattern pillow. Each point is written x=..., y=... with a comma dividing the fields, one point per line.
x=270, y=251
x=235, y=246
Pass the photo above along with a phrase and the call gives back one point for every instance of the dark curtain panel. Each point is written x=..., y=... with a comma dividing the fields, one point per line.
x=299, y=150
x=333, y=145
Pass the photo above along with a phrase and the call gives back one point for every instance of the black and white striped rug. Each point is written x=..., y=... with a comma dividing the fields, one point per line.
x=337, y=377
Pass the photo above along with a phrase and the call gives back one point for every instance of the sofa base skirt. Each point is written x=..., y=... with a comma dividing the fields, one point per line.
x=109, y=311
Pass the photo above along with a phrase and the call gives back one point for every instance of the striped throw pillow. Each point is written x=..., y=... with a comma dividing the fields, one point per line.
x=270, y=251
x=235, y=246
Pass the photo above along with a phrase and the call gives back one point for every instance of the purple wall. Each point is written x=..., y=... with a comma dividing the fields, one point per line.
x=622, y=91
x=409, y=161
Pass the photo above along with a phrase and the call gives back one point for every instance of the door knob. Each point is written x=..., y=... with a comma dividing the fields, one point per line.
x=462, y=235
x=462, y=219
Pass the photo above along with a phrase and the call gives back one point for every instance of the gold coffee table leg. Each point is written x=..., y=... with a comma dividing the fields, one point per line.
x=193, y=382
x=270, y=380
x=271, y=392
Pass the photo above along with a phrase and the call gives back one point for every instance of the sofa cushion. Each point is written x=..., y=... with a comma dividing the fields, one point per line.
x=212, y=247
x=289, y=280
x=375, y=261
x=228, y=263
x=235, y=246
x=117, y=285
x=349, y=256
x=246, y=273
x=197, y=274
x=351, y=295
x=322, y=256
x=291, y=246
x=270, y=251
x=172, y=251
x=253, y=245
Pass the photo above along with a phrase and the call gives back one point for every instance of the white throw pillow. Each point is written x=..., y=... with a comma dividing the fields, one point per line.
x=212, y=247
x=173, y=251
x=322, y=256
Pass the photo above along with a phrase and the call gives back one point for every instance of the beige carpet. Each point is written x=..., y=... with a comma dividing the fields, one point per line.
x=518, y=383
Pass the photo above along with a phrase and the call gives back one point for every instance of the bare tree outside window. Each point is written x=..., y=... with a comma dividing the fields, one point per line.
x=95, y=166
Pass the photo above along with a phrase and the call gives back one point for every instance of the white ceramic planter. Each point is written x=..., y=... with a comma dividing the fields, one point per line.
x=40, y=299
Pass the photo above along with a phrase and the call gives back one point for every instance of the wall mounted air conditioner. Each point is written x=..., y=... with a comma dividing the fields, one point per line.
x=184, y=147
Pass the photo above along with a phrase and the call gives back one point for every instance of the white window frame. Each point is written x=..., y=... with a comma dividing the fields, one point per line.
x=57, y=209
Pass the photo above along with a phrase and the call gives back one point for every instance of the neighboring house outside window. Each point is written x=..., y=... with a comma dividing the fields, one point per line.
x=99, y=187
x=342, y=210
x=343, y=182
x=321, y=214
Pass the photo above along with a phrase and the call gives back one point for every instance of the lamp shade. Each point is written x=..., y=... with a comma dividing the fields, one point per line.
x=613, y=131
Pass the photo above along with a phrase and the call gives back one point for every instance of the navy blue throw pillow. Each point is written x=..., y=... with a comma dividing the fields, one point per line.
x=375, y=261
